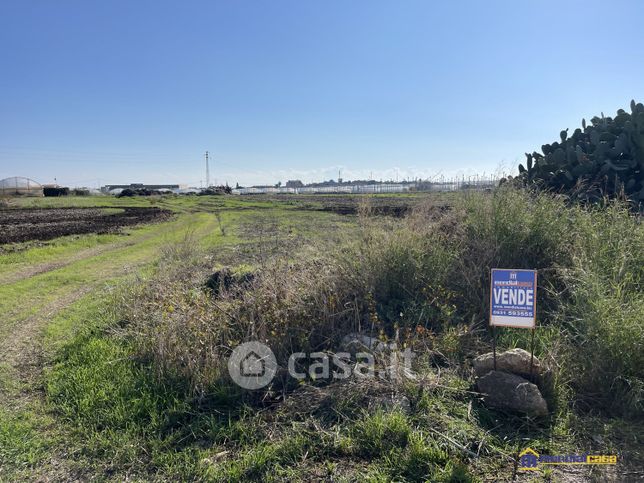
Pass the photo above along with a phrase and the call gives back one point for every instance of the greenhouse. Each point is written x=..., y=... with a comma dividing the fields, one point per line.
x=19, y=186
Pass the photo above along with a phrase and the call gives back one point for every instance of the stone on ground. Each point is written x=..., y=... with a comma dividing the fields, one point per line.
x=503, y=390
x=516, y=361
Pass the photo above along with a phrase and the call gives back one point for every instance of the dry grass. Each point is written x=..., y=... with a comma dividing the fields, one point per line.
x=419, y=281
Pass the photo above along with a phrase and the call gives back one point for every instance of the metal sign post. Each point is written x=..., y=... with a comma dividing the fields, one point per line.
x=494, y=345
x=513, y=303
x=531, y=353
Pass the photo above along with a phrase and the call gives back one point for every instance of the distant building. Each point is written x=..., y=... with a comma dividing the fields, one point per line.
x=140, y=186
x=55, y=190
x=294, y=183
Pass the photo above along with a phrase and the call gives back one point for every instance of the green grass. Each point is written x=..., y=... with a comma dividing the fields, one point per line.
x=23, y=254
x=111, y=265
x=129, y=395
x=92, y=375
x=21, y=444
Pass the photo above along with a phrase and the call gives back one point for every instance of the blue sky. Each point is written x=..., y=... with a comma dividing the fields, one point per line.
x=135, y=91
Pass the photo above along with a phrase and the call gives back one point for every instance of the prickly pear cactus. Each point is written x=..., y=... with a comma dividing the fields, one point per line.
x=602, y=158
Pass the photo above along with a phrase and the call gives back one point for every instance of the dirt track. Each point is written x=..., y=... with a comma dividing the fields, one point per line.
x=20, y=225
x=34, y=296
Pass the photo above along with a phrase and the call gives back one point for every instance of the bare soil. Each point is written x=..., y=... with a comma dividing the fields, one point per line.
x=20, y=225
x=394, y=205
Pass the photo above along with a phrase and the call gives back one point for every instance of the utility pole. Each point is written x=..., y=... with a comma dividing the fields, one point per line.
x=207, y=172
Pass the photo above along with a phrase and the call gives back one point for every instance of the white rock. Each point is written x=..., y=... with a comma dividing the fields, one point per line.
x=516, y=361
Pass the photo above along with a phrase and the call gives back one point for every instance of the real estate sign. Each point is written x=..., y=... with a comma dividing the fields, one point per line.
x=513, y=298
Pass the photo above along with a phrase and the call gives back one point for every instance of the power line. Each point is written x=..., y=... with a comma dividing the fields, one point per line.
x=207, y=172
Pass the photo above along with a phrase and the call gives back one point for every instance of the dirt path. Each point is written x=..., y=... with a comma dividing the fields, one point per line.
x=20, y=345
x=34, y=295
x=22, y=359
x=41, y=268
x=21, y=352
x=21, y=348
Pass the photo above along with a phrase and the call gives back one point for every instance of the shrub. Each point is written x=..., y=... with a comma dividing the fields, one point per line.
x=420, y=280
x=603, y=158
x=404, y=274
x=509, y=229
x=605, y=310
x=187, y=331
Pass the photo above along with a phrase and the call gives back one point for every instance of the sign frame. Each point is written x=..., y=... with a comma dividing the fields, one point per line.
x=534, y=300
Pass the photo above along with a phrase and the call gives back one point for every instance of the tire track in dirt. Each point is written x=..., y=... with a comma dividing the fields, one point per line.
x=39, y=269
x=22, y=353
x=20, y=349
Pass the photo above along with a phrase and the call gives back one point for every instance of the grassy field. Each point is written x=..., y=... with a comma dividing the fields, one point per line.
x=113, y=351
x=50, y=290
